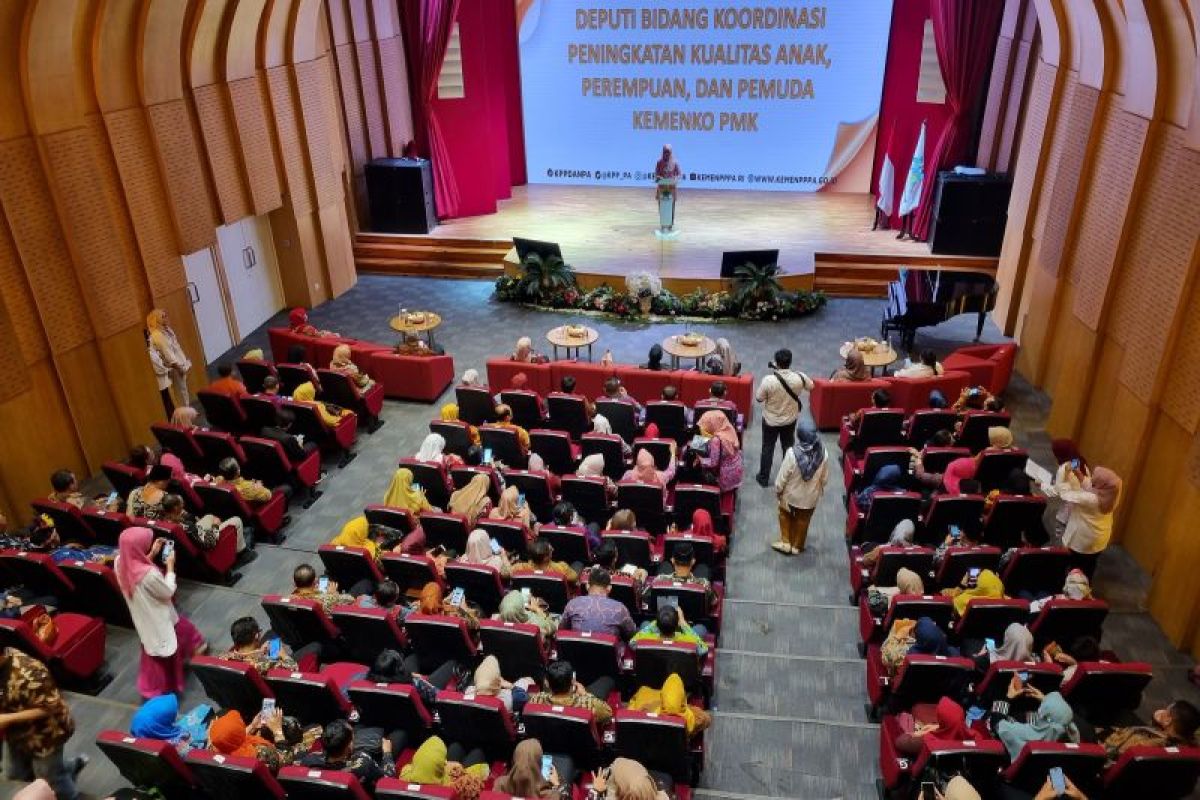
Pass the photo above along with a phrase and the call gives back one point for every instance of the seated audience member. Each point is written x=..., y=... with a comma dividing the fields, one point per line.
x=504, y=419
x=889, y=478
x=615, y=391
x=987, y=586
x=937, y=400
x=298, y=323
x=516, y=609
x=1173, y=726
x=927, y=367
x=626, y=779
x=156, y=719
x=270, y=391
x=671, y=699
x=901, y=536
x=472, y=500
x=470, y=377
x=541, y=558
x=339, y=753
x=298, y=356
x=717, y=391
x=253, y=492
x=723, y=361
x=922, y=637
x=391, y=667
x=525, y=353
x=357, y=533
x=432, y=765
x=855, y=368
x=1076, y=587
x=951, y=724
x=593, y=467
x=1080, y=649
x=204, y=532
x=387, y=597
x=608, y=557
x=596, y=612
x=563, y=690
x=294, y=446
x=880, y=398
x=702, y=528
x=967, y=537
x=724, y=450
x=449, y=413
x=1016, y=484
x=488, y=682
x=142, y=457
x=929, y=481
x=972, y=398
x=645, y=471
x=262, y=739
x=330, y=414
x=623, y=519
x=513, y=508
x=1017, y=646
x=654, y=358
x=479, y=551
x=251, y=647
x=999, y=438
x=960, y=474
x=433, y=601
x=146, y=501
x=799, y=485
x=1053, y=722
x=342, y=364
x=669, y=623
x=416, y=347
x=907, y=582
x=433, y=451
x=226, y=384
x=65, y=489
x=306, y=586
x=520, y=383
x=930, y=640
x=524, y=777
x=682, y=568
x=43, y=538
x=185, y=417
x=403, y=493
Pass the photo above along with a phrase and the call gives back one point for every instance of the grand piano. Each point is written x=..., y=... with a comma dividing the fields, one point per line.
x=923, y=297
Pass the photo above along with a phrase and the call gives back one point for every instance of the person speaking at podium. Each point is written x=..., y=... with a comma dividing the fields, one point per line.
x=666, y=175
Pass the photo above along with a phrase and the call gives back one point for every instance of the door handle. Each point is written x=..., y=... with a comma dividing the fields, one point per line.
x=253, y=256
x=193, y=293
x=247, y=262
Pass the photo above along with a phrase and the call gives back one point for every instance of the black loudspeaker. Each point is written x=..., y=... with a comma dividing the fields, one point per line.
x=969, y=214
x=400, y=191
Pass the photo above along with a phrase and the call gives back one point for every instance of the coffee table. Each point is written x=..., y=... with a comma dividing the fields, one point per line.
x=557, y=337
x=677, y=350
x=874, y=359
x=404, y=323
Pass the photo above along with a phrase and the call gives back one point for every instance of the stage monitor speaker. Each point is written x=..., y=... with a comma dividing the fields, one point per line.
x=969, y=214
x=732, y=259
x=527, y=247
x=400, y=192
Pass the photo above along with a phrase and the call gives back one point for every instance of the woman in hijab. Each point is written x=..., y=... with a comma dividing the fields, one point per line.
x=1017, y=646
x=889, y=478
x=433, y=451
x=907, y=582
x=449, y=413
x=987, y=586
x=855, y=368
x=524, y=777
x=729, y=364
x=593, y=467
x=798, y=488
x=902, y=536
x=472, y=500
x=645, y=471
x=357, y=533
x=724, y=452
x=156, y=720
x=937, y=399
x=654, y=358
x=671, y=699
x=430, y=766
x=957, y=471
x=514, y=608
x=513, y=508
x=479, y=551
x=168, y=640
x=402, y=493
x=342, y=364
x=298, y=323
x=999, y=438
x=951, y=725
x=930, y=640
x=306, y=393
x=1054, y=722
x=185, y=417
x=489, y=682
x=702, y=528
x=433, y=601
x=230, y=736
x=166, y=345
x=625, y=779
x=1091, y=501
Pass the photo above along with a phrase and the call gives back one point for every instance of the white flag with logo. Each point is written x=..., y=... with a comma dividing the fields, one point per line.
x=916, y=177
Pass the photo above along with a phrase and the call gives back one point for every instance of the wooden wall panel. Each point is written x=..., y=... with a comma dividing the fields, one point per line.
x=352, y=107
x=1181, y=397
x=83, y=375
x=398, y=111
x=993, y=110
x=313, y=86
x=34, y=225
x=18, y=300
x=1078, y=114
x=182, y=165
x=254, y=136
x=291, y=142
x=1056, y=133
x=1143, y=523
x=89, y=196
x=14, y=376
x=133, y=149
x=216, y=125
x=368, y=79
x=1025, y=60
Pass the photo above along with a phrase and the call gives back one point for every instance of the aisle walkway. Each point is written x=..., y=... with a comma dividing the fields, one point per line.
x=789, y=720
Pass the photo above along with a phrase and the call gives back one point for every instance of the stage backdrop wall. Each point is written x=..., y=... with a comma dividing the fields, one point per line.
x=749, y=98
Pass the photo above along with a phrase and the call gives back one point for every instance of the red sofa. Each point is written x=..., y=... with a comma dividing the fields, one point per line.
x=421, y=378
x=589, y=378
x=989, y=365
x=913, y=393
x=832, y=400
x=500, y=372
x=647, y=384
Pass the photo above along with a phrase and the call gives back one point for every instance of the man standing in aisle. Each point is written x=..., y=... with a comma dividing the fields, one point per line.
x=779, y=394
x=35, y=723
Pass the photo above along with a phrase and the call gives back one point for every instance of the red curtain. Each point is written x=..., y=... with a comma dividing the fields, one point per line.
x=427, y=26
x=965, y=34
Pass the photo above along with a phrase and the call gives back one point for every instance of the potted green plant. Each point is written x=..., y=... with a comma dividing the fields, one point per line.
x=543, y=276
x=756, y=283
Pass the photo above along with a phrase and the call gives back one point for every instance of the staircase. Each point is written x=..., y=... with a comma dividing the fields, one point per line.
x=430, y=256
x=867, y=275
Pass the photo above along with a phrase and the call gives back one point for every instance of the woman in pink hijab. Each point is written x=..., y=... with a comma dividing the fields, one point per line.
x=1091, y=501
x=724, y=452
x=645, y=471
x=168, y=640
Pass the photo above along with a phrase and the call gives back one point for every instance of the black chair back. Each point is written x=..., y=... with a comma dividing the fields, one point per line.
x=622, y=417
x=475, y=405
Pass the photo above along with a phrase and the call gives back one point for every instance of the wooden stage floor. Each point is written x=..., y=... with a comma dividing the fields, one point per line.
x=610, y=230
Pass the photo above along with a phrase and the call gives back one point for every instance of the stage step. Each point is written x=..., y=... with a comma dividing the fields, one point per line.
x=868, y=274
x=432, y=240
x=850, y=287
x=432, y=256
x=409, y=252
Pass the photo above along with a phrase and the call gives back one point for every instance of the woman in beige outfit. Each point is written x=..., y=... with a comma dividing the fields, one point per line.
x=799, y=486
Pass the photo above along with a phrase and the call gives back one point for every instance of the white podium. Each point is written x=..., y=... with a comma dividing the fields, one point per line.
x=666, y=207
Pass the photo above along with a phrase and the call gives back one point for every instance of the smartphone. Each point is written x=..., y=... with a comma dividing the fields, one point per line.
x=168, y=550
x=974, y=714
x=457, y=596
x=990, y=643
x=416, y=487
x=927, y=792
x=1058, y=781
x=112, y=498
x=973, y=574
x=1074, y=465
x=495, y=547
x=526, y=593
x=955, y=532
x=487, y=455
x=273, y=648
x=521, y=500
x=547, y=765
x=323, y=583
x=1023, y=677
x=268, y=708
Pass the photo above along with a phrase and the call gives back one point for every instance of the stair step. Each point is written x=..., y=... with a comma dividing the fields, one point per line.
x=406, y=252
x=850, y=287
x=432, y=241
x=863, y=271
x=429, y=268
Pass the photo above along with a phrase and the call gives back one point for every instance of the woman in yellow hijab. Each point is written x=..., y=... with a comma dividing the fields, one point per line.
x=307, y=393
x=402, y=494
x=987, y=585
x=357, y=533
x=164, y=342
x=671, y=699
x=449, y=413
x=472, y=500
x=429, y=766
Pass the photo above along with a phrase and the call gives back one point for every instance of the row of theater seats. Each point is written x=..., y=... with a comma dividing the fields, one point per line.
x=989, y=366
x=895, y=426
x=247, y=414
x=402, y=377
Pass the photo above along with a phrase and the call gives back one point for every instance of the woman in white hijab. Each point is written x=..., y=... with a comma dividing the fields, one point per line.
x=479, y=551
x=593, y=467
x=433, y=451
x=470, y=378
x=600, y=424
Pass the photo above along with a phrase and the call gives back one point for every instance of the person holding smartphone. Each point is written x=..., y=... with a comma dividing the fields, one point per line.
x=483, y=550
x=530, y=776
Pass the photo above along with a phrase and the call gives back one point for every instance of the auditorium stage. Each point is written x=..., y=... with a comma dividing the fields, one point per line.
x=608, y=232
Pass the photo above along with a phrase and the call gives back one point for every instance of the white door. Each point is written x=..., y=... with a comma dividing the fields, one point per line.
x=251, y=271
x=207, y=305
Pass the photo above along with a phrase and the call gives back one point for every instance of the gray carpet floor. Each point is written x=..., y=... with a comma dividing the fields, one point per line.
x=789, y=718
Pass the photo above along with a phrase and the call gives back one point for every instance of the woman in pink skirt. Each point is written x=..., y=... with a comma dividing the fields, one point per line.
x=168, y=639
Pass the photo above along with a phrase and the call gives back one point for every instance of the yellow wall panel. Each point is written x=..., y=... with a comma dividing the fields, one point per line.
x=254, y=136
x=187, y=187
x=89, y=396
x=1153, y=499
x=224, y=160
x=286, y=112
x=18, y=299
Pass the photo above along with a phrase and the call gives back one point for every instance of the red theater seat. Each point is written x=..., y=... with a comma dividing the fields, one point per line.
x=77, y=652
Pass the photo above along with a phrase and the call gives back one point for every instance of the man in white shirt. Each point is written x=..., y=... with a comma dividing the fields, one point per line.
x=779, y=394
